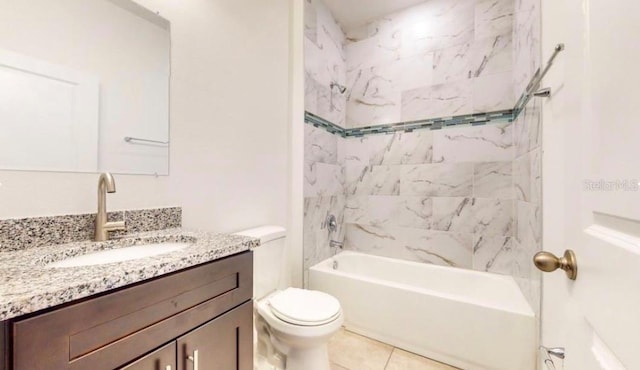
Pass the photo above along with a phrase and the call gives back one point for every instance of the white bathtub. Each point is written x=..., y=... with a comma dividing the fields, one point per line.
x=468, y=319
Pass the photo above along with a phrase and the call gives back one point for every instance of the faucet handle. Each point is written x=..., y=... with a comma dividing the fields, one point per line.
x=115, y=226
x=332, y=223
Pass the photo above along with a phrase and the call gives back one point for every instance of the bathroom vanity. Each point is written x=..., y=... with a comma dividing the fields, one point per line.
x=195, y=313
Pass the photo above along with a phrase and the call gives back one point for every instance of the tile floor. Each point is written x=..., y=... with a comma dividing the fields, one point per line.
x=350, y=351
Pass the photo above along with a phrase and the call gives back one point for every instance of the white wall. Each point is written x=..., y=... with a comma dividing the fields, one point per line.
x=229, y=125
x=297, y=141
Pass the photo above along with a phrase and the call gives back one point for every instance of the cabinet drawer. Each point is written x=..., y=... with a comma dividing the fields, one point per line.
x=111, y=330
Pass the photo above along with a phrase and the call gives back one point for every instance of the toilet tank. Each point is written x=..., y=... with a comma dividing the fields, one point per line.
x=269, y=259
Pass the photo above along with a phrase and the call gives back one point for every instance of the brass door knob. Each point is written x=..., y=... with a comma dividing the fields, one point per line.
x=548, y=262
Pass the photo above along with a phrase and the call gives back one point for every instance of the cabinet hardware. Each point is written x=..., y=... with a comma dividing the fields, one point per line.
x=194, y=359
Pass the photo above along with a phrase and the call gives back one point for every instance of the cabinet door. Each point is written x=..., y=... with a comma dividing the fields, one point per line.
x=162, y=359
x=225, y=343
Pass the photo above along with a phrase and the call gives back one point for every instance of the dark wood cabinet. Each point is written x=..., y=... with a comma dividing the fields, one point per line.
x=225, y=343
x=207, y=308
x=161, y=359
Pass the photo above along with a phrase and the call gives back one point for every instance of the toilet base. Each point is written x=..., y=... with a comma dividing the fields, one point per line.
x=315, y=358
x=287, y=357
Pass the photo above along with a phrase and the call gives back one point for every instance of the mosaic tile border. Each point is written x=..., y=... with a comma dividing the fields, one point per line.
x=20, y=234
x=475, y=119
x=320, y=122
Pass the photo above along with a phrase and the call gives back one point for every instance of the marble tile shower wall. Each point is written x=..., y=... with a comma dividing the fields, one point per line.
x=325, y=63
x=444, y=197
x=527, y=166
x=437, y=59
x=527, y=177
x=526, y=43
x=323, y=193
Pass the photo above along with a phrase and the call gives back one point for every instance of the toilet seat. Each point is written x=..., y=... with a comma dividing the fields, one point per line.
x=304, y=307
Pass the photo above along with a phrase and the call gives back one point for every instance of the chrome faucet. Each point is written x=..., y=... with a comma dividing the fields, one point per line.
x=106, y=184
x=338, y=247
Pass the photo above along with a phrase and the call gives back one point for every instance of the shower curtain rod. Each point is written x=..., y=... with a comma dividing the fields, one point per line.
x=533, y=88
x=537, y=79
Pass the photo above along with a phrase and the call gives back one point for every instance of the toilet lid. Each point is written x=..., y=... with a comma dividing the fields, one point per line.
x=304, y=307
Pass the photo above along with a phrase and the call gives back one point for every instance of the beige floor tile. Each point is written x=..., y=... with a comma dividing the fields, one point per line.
x=403, y=360
x=355, y=352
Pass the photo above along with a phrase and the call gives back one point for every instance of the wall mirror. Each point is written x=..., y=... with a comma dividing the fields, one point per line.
x=84, y=87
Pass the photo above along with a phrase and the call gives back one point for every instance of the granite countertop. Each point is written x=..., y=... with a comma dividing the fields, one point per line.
x=28, y=285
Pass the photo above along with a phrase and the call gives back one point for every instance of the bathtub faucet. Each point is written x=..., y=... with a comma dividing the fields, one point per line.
x=338, y=246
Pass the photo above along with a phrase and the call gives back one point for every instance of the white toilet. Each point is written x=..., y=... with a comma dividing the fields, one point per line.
x=293, y=325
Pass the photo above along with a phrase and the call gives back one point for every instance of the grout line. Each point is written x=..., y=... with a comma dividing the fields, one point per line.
x=389, y=359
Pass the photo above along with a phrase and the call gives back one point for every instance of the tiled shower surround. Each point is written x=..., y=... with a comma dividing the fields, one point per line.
x=527, y=165
x=436, y=59
x=443, y=197
x=323, y=193
x=325, y=62
x=467, y=196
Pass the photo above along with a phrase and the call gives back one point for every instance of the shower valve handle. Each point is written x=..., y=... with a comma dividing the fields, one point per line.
x=332, y=223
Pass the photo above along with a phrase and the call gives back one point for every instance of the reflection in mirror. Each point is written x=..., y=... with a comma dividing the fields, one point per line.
x=77, y=77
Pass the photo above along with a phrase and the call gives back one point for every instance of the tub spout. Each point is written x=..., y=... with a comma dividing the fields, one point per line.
x=337, y=246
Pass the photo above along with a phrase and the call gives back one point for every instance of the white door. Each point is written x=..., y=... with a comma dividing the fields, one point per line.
x=49, y=116
x=591, y=175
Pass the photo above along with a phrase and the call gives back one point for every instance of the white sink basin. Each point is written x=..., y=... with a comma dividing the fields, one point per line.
x=120, y=254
